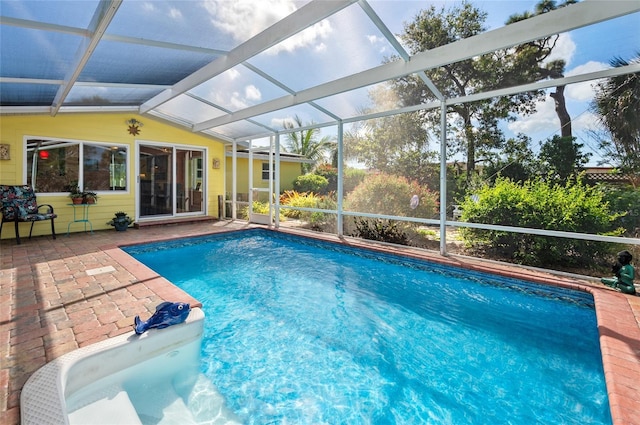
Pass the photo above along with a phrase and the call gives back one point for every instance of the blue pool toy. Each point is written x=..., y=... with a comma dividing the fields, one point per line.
x=166, y=314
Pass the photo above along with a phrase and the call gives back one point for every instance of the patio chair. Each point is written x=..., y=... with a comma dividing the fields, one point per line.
x=19, y=204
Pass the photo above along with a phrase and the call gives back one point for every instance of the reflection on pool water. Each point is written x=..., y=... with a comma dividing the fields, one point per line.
x=302, y=331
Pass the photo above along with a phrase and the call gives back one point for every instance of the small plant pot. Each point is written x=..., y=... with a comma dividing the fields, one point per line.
x=121, y=227
x=77, y=201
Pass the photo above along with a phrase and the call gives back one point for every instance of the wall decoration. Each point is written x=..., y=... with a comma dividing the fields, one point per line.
x=215, y=164
x=134, y=126
x=4, y=151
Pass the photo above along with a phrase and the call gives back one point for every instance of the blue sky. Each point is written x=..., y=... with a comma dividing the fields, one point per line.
x=584, y=50
x=342, y=45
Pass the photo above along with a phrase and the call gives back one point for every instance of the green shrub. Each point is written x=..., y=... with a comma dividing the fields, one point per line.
x=391, y=195
x=537, y=204
x=258, y=208
x=331, y=174
x=310, y=183
x=296, y=199
x=380, y=230
x=626, y=202
x=320, y=221
x=352, y=178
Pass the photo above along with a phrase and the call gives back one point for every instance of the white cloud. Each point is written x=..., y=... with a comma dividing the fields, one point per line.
x=237, y=101
x=251, y=92
x=148, y=6
x=175, y=13
x=243, y=19
x=379, y=42
x=309, y=37
x=232, y=99
x=584, y=121
x=374, y=39
x=279, y=122
x=584, y=91
x=230, y=91
x=232, y=74
x=564, y=49
x=545, y=120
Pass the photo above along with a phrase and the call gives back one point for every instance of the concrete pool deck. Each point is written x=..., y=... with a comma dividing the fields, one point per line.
x=59, y=295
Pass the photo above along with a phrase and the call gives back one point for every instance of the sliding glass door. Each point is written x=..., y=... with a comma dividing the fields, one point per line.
x=189, y=180
x=170, y=181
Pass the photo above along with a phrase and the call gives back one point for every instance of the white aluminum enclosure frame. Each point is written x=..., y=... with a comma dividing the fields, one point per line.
x=582, y=14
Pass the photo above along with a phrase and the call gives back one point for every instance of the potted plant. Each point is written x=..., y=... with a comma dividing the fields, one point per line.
x=76, y=195
x=120, y=221
x=89, y=197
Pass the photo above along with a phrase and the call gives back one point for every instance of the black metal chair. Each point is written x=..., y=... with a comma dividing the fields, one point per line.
x=19, y=204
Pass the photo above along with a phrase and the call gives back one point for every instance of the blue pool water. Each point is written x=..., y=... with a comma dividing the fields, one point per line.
x=305, y=332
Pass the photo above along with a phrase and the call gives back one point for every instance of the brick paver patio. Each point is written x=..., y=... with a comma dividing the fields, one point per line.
x=59, y=295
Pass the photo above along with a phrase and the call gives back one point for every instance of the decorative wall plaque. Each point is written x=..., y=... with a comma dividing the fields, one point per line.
x=134, y=126
x=4, y=151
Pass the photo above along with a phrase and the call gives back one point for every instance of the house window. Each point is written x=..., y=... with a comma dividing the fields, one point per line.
x=57, y=166
x=265, y=171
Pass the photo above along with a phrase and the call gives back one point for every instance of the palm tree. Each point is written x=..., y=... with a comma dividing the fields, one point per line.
x=306, y=143
x=617, y=102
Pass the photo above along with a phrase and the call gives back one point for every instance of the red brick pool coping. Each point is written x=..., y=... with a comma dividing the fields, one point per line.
x=60, y=295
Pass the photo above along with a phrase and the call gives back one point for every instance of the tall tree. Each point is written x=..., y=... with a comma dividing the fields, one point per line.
x=531, y=59
x=307, y=144
x=397, y=145
x=516, y=162
x=617, y=102
x=562, y=158
x=475, y=125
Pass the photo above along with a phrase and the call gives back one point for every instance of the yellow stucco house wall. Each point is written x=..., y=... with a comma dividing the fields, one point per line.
x=289, y=171
x=100, y=128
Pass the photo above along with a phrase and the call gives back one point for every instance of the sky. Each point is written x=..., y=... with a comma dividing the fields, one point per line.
x=583, y=50
x=342, y=45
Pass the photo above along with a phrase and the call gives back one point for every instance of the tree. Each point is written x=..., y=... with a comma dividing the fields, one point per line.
x=475, y=125
x=562, y=157
x=396, y=145
x=617, y=102
x=530, y=61
x=517, y=161
x=306, y=143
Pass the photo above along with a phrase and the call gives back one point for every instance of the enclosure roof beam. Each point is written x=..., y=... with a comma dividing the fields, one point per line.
x=397, y=46
x=105, y=12
x=545, y=84
x=299, y=20
x=574, y=16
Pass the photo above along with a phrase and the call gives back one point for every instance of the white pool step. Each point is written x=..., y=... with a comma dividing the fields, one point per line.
x=107, y=410
x=163, y=407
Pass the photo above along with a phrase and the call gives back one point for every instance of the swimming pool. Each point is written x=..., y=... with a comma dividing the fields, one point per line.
x=302, y=331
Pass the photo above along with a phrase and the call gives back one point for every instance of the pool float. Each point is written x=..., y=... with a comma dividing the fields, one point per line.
x=166, y=314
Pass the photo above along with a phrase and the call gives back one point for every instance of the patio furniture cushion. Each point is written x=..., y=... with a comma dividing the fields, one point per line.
x=19, y=204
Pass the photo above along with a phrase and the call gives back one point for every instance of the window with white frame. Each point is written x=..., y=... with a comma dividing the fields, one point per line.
x=60, y=165
x=265, y=171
